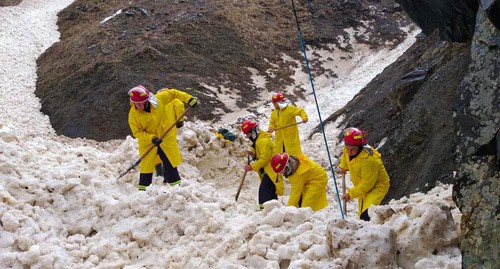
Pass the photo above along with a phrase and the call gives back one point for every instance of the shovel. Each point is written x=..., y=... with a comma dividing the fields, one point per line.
x=344, y=204
x=152, y=146
x=289, y=125
x=242, y=180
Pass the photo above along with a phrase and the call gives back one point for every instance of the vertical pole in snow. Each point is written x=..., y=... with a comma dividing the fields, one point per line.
x=317, y=107
x=344, y=203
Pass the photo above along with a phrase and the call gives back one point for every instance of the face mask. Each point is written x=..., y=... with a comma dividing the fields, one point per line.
x=291, y=166
x=282, y=104
x=153, y=100
x=255, y=134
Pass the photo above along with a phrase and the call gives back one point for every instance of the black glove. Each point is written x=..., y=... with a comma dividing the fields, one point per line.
x=179, y=124
x=156, y=141
x=192, y=102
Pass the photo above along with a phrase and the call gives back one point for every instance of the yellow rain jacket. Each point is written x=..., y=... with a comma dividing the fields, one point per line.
x=289, y=136
x=368, y=174
x=264, y=152
x=146, y=125
x=308, y=182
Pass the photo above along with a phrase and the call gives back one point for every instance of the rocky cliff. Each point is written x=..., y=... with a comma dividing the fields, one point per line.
x=477, y=119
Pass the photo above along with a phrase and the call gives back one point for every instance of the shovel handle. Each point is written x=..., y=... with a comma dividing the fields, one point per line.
x=289, y=125
x=153, y=146
x=242, y=179
x=344, y=204
x=241, y=185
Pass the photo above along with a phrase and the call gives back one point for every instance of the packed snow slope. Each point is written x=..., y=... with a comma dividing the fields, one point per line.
x=62, y=205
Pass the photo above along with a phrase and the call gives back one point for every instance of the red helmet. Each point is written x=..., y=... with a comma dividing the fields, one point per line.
x=354, y=136
x=278, y=96
x=248, y=125
x=139, y=94
x=278, y=162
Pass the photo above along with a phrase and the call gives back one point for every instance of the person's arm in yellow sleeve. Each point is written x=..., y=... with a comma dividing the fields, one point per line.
x=265, y=154
x=303, y=115
x=138, y=132
x=179, y=109
x=272, y=122
x=344, y=165
x=369, y=174
x=296, y=192
x=169, y=95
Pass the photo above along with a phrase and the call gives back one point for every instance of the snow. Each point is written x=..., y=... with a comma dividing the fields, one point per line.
x=112, y=16
x=62, y=205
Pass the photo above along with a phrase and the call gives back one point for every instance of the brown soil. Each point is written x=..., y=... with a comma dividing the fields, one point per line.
x=84, y=78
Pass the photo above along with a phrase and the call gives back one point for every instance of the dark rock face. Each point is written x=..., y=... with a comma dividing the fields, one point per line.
x=83, y=79
x=477, y=111
x=492, y=9
x=454, y=18
x=6, y=3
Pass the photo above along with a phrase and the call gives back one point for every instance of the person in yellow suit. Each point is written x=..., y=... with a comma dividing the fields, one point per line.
x=150, y=115
x=271, y=185
x=284, y=123
x=368, y=175
x=307, y=179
